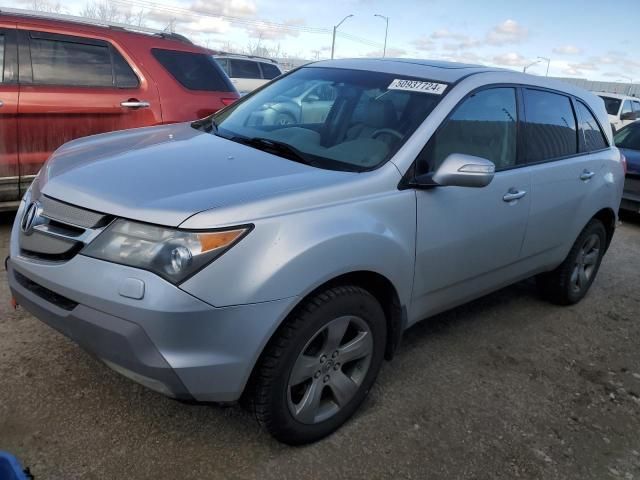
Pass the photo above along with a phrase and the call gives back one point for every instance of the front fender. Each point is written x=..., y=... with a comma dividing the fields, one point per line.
x=292, y=254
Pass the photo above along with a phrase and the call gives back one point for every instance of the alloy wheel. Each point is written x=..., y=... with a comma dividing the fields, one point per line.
x=330, y=369
x=586, y=263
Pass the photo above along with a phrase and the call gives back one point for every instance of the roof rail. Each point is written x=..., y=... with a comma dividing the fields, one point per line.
x=95, y=23
x=242, y=55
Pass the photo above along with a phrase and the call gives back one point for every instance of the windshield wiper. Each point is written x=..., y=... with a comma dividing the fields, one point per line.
x=207, y=124
x=275, y=147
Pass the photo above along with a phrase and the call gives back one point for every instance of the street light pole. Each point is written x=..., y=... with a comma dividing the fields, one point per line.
x=386, y=32
x=548, y=60
x=524, y=70
x=630, y=83
x=335, y=27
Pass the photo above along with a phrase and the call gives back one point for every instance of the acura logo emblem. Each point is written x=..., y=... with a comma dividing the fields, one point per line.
x=30, y=217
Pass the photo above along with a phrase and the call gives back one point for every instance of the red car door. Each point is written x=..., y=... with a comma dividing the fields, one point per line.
x=9, y=172
x=71, y=87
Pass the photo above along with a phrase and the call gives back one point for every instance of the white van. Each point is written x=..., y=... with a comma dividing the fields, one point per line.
x=622, y=109
x=248, y=72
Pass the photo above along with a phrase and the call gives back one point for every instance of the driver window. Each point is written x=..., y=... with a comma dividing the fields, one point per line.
x=626, y=107
x=484, y=125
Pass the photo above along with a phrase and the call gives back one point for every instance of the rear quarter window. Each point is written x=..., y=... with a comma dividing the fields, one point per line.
x=194, y=71
x=591, y=137
x=269, y=71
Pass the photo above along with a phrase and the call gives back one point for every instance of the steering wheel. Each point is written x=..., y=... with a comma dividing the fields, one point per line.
x=389, y=131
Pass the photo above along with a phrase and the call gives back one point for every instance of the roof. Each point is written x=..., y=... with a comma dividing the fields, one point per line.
x=448, y=72
x=31, y=15
x=220, y=54
x=616, y=95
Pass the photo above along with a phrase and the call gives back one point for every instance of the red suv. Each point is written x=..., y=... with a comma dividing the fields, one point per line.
x=62, y=79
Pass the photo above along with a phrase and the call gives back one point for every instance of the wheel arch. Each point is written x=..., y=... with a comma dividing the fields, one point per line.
x=375, y=283
x=608, y=217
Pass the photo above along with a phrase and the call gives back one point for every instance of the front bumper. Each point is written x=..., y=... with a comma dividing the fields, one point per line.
x=168, y=340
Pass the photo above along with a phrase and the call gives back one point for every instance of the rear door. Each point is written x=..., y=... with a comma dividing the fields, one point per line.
x=9, y=171
x=563, y=173
x=72, y=87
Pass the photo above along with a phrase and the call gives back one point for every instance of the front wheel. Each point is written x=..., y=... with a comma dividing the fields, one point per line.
x=569, y=283
x=320, y=366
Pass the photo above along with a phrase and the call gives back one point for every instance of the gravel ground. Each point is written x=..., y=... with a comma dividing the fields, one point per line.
x=505, y=387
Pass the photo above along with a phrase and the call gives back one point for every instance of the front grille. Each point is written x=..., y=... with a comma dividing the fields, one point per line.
x=45, y=293
x=60, y=230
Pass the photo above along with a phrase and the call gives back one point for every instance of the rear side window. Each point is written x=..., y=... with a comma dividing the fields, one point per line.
x=550, y=129
x=636, y=106
x=223, y=64
x=194, y=71
x=125, y=77
x=269, y=71
x=1, y=58
x=244, y=69
x=484, y=125
x=69, y=62
x=612, y=105
x=591, y=137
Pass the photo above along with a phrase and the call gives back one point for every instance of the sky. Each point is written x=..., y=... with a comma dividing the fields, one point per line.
x=582, y=38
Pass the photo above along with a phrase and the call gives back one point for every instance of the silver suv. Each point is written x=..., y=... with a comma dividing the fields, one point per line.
x=228, y=259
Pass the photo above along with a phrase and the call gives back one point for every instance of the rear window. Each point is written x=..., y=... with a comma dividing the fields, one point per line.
x=551, y=126
x=244, y=69
x=69, y=62
x=269, y=71
x=591, y=135
x=194, y=71
x=611, y=104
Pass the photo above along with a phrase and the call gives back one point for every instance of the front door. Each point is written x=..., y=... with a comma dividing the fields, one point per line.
x=469, y=239
x=9, y=172
x=72, y=87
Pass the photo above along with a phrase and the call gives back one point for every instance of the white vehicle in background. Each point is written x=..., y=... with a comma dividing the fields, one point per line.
x=248, y=72
x=622, y=109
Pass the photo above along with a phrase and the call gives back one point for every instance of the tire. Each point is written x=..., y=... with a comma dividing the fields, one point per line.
x=571, y=281
x=302, y=364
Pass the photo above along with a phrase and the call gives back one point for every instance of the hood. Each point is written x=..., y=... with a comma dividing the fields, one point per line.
x=166, y=174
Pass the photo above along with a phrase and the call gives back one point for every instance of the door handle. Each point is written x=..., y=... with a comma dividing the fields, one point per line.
x=135, y=104
x=514, y=194
x=1, y=103
x=586, y=175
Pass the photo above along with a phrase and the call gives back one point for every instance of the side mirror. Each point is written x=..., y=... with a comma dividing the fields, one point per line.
x=459, y=170
x=628, y=116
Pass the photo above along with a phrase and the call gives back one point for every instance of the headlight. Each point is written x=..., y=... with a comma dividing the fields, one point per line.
x=172, y=254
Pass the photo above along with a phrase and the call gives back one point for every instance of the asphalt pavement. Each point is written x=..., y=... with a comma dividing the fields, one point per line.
x=506, y=387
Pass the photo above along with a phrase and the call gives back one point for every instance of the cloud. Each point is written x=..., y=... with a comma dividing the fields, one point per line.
x=567, y=50
x=511, y=59
x=267, y=31
x=206, y=25
x=507, y=32
x=584, y=66
x=391, y=52
x=423, y=43
x=234, y=8
x=572, y=71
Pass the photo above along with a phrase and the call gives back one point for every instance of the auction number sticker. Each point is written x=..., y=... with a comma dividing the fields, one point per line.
x=417, y=86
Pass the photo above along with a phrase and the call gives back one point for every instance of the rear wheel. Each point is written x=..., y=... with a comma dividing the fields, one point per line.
x=320, y=367
x=569, y=283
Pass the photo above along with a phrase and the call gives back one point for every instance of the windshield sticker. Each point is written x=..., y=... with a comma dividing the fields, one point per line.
x=417, y=86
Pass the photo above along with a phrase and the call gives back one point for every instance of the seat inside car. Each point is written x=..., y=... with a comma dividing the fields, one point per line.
x=378, y=114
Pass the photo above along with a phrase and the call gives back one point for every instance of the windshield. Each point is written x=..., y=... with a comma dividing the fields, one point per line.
x=611, y=104
x=628, y=137
x=331, y=118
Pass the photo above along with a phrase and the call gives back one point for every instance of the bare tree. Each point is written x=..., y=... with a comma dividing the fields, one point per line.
x=46, y=6
x=107, y=11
